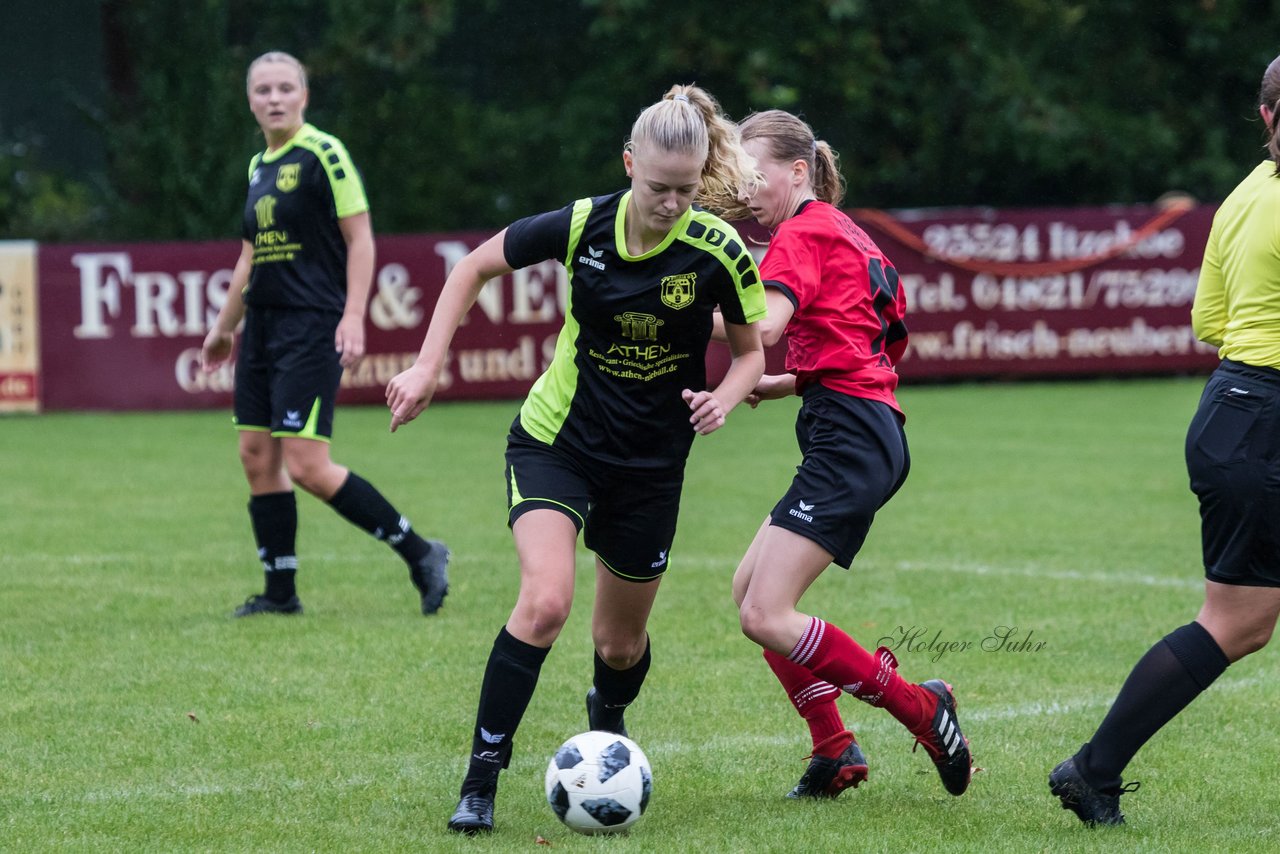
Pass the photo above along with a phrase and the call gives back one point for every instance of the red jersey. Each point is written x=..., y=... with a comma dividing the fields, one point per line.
x=847, y=332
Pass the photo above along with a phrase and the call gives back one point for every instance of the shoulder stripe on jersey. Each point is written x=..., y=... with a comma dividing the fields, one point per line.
x=348, y=190
x=577, y=223
x=716, y=237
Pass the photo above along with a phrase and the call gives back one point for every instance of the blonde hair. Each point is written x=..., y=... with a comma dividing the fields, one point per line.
x=789, y=138
x=688, y=119
x=277, y=56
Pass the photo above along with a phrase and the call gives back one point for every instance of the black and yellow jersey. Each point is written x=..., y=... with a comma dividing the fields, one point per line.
x=636, y=328
x=297, y=194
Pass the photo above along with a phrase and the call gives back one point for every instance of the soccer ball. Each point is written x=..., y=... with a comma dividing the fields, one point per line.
x=599, y=782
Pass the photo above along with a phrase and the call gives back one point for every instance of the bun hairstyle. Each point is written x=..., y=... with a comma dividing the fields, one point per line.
x=688, y=119
x=789, y=138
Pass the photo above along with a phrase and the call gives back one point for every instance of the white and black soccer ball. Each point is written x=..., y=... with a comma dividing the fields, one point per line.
x=599, y=782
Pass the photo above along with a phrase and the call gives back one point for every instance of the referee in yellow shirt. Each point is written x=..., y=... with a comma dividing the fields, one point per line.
x=1233, y=458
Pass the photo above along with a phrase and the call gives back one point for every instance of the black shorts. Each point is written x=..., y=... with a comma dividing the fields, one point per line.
x=628, y=516
x=855, y=459
x=287, y=373
x=1233, y=458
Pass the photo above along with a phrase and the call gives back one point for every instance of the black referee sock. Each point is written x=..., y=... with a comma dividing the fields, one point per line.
x=1172, y=674
x=620, y=687
x=509, y=680
x=275, y=528
x=362, y=505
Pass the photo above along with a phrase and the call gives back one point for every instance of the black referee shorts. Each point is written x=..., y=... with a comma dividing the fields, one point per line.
x=1233, y=458
x=287, y=373
x=855, y=459
x=628, y=516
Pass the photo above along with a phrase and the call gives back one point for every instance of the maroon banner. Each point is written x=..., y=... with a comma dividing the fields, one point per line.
x=1017, y=293
x=1048, y=292
x=122, y=325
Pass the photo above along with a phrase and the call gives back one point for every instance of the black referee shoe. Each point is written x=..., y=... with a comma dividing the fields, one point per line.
x=946, y=745
x=1092, y=806
x=431, y=577
x=260, y=604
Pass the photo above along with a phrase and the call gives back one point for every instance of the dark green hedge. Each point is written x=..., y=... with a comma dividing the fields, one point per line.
x=466, y=115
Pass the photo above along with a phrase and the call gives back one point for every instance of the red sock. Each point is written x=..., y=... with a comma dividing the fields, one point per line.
x=832, y=655
x=814, y=699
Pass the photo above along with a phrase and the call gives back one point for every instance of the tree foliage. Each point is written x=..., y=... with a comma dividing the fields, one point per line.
x=467, y=115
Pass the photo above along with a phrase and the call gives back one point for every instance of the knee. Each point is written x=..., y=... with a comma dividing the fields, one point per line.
x=545, y=613
x=756, y=623
x=258, y=460
x=1249, y=640
x=307, y=474
x=620, y=653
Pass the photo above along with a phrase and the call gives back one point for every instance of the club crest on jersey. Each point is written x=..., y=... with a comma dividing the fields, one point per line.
x=287, y=177
x=677, y=291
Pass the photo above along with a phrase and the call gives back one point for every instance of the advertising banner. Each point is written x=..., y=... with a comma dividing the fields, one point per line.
x=123, y=324
x=1070, y=292
x=19, y=328
x=1048, y=292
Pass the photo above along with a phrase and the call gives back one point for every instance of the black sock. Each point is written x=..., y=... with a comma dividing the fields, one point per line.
x=275, y=527
x=361, y=504
x=509, y=680
x=621, y=687
x=1172, y=674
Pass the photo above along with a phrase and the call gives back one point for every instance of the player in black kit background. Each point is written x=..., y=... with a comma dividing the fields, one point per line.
x=301, y=285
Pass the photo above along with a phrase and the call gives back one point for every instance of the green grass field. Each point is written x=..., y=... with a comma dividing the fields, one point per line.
x=135, y=715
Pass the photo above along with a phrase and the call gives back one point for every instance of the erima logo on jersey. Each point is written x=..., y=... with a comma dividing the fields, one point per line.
x=292, y=418
x=592, y=258
x=662, y=558
x=803, y=512
x=255, y=177
x=492, y=737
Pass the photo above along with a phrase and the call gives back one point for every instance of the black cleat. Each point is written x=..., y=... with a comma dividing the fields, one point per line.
x=603, y=717
x=946, y=745
x=474, y=814
x=827, y=778
x=431, y=577
x=1092, y=806
x=260, y=604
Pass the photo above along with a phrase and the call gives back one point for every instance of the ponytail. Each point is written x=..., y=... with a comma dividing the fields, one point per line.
x=828, y=183
x=1269, y=96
